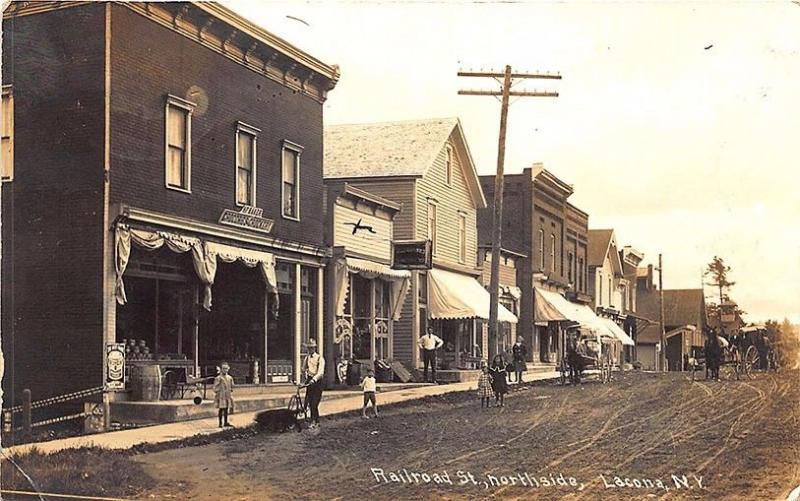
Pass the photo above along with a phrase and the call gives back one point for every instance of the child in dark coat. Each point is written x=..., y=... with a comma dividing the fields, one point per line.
x=499, y=379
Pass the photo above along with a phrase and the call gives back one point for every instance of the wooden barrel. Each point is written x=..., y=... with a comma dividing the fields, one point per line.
x=146, y=383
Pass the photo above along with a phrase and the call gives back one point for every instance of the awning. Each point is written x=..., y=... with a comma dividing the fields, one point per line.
x=452, y=295
x=399, y=280
x=552, y=307
x=618, y=333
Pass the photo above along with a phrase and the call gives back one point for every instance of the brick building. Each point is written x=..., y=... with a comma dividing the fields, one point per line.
x=541, y=224
x=160, y=151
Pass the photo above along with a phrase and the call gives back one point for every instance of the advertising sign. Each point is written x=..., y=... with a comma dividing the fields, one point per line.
x=115, y=366
x=411, y=255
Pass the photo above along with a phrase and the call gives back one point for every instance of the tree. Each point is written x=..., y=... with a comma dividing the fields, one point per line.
x=718, y=272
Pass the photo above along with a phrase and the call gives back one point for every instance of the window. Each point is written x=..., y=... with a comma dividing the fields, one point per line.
x=462, y=238
x=570, y=263
x=581, y=275
x=610, y=301
x=178, y=143
x=432, y=225
x=246, y=164
x=600, y=284
x=291, y=180
x=448, y=165
x=8, y=134
x=552, y=253
x=541, y=250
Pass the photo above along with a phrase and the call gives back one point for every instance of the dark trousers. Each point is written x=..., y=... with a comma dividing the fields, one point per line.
x=223, y=416
x=429, y=358
x=313, y=398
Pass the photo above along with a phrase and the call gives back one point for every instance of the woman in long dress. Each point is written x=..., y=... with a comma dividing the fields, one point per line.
x=520, y=352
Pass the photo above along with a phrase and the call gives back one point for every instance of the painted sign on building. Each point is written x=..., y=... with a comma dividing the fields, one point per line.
x=249, y=218
x=115, y=366
x=411, y=255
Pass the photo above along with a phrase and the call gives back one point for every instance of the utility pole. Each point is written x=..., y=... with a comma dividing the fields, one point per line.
x=508, y=76
x=663, y=355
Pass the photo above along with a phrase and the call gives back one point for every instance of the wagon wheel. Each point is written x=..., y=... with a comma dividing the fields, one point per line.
x=750, y=362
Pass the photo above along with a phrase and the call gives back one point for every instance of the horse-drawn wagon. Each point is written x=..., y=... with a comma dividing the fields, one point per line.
x=745, y=352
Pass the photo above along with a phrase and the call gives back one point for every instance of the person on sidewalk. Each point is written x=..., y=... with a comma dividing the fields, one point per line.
x=223, y=394
x=313, y=371
x=520, y=352
x=369, y=387
x=499, y=379
x=429, y=343
x=485, y=387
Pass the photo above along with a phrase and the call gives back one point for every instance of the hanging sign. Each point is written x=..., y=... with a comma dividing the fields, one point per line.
x=249, y=218
x=344, y=330
x=411, y=255
x=115, y=366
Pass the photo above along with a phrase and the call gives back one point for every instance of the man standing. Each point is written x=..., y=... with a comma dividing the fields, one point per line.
x=313, y=371
x=429, y=343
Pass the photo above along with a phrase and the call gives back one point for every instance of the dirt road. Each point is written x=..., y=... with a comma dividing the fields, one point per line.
x=642, y=436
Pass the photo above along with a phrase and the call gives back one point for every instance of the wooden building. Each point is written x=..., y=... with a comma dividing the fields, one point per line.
x=426, y=167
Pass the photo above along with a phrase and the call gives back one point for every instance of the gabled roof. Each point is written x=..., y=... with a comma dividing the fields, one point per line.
x=395, y=150
x=681, y=307
x=600, y=246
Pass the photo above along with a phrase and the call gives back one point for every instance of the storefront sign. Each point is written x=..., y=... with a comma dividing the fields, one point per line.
x=249, y=218
x=115, y=366
x=411, y=255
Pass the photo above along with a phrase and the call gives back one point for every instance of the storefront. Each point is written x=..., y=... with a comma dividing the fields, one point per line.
x=457, y=304
x=186, y=302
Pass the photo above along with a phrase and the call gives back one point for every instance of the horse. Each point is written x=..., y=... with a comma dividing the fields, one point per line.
x=574, y=361
x=713, y=352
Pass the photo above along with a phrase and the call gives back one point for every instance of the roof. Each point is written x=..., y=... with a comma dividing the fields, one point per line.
x=681, y=307
x=599, y=242
x=395, y=150
x=385, y=149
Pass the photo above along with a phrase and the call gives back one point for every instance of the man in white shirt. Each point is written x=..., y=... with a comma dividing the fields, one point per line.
x=313, y=371
x=429, y=343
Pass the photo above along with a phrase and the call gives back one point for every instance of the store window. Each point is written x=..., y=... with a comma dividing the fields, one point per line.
x=290, y=161
x=382, y=319
x=178, y=143
x=361, y=293
x=246, y=164
x=308, y=310
x=8, y=134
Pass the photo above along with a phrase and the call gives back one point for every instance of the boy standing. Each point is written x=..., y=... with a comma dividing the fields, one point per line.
x=369, y=387
x=223, y=394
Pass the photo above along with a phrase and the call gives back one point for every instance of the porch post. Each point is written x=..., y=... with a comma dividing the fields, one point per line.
x=372, y=320
x=266, y=335
x=297, y=321
x=321, y=312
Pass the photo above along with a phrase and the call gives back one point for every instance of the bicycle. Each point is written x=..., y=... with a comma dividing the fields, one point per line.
x=298, y=404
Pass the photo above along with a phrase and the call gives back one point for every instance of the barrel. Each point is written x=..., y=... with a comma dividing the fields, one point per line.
x=146, y=382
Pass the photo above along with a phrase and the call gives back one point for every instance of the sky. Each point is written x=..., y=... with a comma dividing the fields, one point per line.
x=678, y=123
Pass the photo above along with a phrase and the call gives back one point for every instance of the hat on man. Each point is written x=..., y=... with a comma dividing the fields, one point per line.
x=311, y=343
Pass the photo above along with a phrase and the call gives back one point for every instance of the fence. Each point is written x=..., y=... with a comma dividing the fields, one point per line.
x=28, y=406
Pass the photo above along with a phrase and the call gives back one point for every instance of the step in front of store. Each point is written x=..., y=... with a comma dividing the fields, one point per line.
x=247, y=398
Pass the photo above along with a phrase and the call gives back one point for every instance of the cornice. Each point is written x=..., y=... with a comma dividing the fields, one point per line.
x=20, y=9
x=230, y=35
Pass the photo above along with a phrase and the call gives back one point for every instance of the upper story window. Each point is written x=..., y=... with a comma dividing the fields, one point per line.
x=552, y=253
x=570, y=264
x=178, y=170
x=246, y=164
x=541, y=250
x=600, y=284
x=448, y=165
x=8, y=134
x=581, y=274
x=610, y=300
x=290, y=184
x=432, y=225
x=462, y=238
